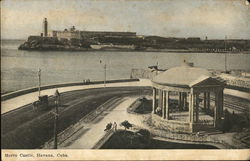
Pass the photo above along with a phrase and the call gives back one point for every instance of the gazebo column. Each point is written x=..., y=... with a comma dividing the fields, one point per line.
x=191, y=110
x=167, y=104
x=191, y=107
x=221, y=102
x=208, y=100
x=184, y=100
x=154, y=100
x=164, y=104
x=205, y=101
x=160, y=100
x=216, y=108
x=180, y=101
x=197, y=107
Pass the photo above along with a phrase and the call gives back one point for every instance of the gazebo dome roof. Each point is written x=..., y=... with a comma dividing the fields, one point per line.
x=185, y=75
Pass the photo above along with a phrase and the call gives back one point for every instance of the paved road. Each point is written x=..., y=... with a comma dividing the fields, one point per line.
x=22, y=100
x=28, y=128
x=96, y=132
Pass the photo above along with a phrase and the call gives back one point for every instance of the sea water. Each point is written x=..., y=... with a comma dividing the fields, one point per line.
x=19, y=69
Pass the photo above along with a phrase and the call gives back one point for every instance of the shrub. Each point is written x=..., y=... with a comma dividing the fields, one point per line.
x=126, y=124
x=145, y=136
x=227, y=123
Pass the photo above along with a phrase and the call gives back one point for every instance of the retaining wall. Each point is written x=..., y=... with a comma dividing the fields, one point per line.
x=170, y=124
x=234, y=82
x=143, y=73
x=34, y=89
x=178, y=126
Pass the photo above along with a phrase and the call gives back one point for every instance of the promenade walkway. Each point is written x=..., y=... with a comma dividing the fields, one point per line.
x=25, y=99
x=96, y=132
x=240, y=94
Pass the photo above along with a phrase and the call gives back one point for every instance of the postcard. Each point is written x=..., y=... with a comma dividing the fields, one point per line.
x=125, y=80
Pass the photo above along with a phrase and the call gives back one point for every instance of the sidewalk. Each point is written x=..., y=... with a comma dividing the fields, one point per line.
x=96, y=132
x=232, y=92
x=22, y=100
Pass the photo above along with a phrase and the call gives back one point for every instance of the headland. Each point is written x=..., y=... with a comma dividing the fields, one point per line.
x=75, y=40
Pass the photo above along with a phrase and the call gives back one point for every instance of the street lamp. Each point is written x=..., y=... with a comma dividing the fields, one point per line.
x=39, y=82
x=105, y=71
x=57, y=99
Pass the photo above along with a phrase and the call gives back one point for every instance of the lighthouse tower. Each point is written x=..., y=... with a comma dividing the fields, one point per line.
x=45, y=27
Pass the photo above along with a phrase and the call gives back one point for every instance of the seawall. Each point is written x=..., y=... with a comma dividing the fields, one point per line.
x=232, y=82
x=34, y=89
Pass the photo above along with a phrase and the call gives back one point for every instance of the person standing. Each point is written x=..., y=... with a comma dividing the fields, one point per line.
x=115, y=126
x=57, y=97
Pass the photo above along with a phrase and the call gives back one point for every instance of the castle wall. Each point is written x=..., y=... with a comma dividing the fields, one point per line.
x=66, y=34
x=106, y=34
x=89, y=34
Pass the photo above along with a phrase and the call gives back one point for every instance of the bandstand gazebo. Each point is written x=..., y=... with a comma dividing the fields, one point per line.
x=187, y=99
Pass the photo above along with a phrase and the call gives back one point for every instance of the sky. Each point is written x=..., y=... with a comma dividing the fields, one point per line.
x=169, y=18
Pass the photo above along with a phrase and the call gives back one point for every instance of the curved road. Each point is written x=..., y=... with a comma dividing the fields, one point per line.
x=19, y=101
x=28, y=128
x=23, y=127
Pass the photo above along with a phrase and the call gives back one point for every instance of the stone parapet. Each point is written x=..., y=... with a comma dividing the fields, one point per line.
x=34, y=89
x=171, y=125
x=178, y=126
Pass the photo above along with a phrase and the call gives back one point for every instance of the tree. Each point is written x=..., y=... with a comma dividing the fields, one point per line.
x=126, y=124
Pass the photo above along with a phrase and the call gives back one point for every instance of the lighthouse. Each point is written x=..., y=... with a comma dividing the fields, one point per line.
x=45, y=27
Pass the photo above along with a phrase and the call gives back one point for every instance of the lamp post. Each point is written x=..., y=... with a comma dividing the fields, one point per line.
x=55, y=126
x=105, y=71
x=57, y=96
x=105, y=68
x=39, y=82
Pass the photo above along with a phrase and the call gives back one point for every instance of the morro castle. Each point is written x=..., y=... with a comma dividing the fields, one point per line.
x=75, y=40
x=72, y=33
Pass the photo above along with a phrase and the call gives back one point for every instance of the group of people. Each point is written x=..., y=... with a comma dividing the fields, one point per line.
x=86, y=81
x=110, y=126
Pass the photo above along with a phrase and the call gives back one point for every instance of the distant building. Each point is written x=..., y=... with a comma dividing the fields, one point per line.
x=76, y=34
x=194, y=39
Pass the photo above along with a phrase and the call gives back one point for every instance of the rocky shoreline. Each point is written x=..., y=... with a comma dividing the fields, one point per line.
x=38, y=43
x=77, y=49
